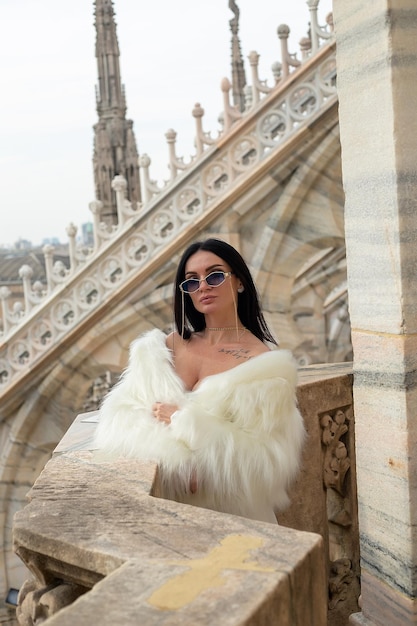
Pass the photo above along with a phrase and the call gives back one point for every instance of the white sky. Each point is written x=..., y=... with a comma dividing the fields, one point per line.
x=172, y=55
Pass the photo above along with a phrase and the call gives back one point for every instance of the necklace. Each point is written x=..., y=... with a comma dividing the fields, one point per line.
x=227, y=328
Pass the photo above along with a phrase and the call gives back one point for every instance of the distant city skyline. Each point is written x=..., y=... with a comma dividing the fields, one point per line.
x=172, y=56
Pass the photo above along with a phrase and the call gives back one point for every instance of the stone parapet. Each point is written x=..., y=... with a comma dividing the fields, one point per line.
x=93, y=533
x=103, y=547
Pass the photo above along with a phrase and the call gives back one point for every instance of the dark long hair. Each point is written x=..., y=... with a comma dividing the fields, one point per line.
x=248, y=307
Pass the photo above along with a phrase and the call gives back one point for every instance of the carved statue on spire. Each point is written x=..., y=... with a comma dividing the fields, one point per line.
x=234, y=22
x=238, y=69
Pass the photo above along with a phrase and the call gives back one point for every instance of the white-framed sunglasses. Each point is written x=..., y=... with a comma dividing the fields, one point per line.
x=214, y=279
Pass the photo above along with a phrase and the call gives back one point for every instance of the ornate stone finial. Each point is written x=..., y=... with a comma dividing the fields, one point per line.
x=288, y=59
x=277, y=71
x=283, y=31
x=225, y=85
x=38, y=288
x=59, y=269
x=253, y=57
x=71, y=230
x=171, y=135
x=198, y=110
x=230, y=112
x=18, y=309
x=201, y=137
x=144, y=160
x=317, y=32
x=305, y=46
x=234, y=22
x=48, y=250
x=175, y=163
x=119, y=183
x=150, y=187
x=4, y=293
x=25, y=272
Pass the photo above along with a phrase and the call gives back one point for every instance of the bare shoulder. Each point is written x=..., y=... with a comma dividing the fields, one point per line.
x=170, y=341
x=177, y=344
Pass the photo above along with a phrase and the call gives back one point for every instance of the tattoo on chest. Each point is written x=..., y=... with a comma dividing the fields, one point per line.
x=237, y=353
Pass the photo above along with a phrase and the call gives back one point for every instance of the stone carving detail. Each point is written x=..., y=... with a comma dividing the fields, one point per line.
x=37, y=602
x=273, y=127
x=216, y=178
x=340, y=578
x=336, y=460
x=136, y=250
x=334, y=426
x=188, y=204
x=245, y=153
x=41, y=334
x=97, y=391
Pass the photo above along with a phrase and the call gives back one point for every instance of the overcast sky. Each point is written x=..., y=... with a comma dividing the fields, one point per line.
x=172, y=55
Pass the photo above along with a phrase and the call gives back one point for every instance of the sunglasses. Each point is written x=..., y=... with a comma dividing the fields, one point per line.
x=215, y=279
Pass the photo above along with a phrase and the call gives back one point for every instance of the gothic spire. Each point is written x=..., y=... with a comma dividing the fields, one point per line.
x=238, y=69
x=115, y=149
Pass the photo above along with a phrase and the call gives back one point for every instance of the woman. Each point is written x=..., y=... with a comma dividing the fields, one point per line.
x=211, y=403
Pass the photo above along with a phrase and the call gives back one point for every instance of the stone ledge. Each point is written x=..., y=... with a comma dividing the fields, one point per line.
x=165, y=562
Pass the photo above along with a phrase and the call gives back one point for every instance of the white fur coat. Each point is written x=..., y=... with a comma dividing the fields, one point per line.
x=239, y=432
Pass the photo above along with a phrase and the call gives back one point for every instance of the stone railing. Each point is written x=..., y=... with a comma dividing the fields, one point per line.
x=254, y=93
x=102, y=547
x=142, y=238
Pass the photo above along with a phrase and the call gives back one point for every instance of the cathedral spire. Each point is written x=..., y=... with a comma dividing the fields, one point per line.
x=110, y=91
x=115, y=149
x=238, y=70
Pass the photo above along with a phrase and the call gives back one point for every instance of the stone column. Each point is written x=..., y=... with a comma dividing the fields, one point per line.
x=377, y=86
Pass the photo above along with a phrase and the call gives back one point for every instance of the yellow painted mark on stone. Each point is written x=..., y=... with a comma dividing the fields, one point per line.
x=205, y=573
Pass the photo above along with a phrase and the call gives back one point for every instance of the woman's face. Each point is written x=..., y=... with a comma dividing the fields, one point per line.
x=207, y=299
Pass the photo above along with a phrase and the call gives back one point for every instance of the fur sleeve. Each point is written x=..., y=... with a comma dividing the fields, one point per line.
x=126, y=425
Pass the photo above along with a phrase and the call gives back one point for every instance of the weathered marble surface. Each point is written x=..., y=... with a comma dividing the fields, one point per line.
x=377, y=77
x=146, y=558
x=323, y=497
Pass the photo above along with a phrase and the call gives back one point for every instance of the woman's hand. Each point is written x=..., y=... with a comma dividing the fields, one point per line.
x=162, y=412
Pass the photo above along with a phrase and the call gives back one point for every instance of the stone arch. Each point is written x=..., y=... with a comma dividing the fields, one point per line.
x=316, y=313
x=278, y=239
x=290, y=241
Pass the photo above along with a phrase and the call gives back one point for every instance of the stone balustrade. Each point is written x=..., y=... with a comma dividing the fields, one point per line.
x=104, y=548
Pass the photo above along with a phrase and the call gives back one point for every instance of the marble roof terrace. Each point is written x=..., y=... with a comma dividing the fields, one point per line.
x=277, y=119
